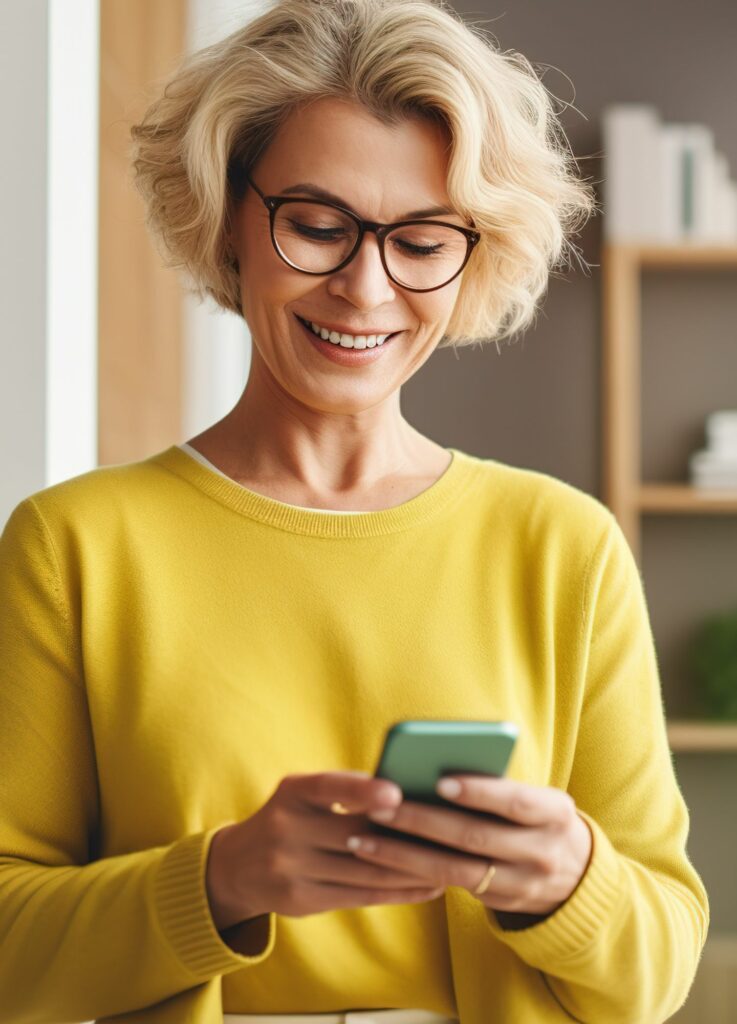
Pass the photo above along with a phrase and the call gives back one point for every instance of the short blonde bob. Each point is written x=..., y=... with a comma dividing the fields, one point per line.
x=510, y=169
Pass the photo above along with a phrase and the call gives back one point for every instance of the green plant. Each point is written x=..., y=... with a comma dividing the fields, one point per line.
x=714, y=663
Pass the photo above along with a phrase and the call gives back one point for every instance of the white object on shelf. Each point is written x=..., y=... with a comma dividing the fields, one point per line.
x=724, y=228
x=729, y=206
x=712, y=469
x=664, y=183
x=715, y=462
x=722, y=420
x=714, y=481
x=631, y=177
x=669, y=147
x=698, y=178
x=705, y=482
x=721, y=431
x=715, y=466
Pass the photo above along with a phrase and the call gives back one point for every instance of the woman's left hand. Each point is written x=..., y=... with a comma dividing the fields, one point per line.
x=541, y=849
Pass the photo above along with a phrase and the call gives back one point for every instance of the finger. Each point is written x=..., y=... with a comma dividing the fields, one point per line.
x=516, y=801
x=444, y=869
x=474, y=833
x=357, y=792
x=508, y=888
x=343, y=869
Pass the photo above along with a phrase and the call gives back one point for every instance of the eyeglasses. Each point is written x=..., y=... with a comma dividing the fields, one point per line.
x=317, y=237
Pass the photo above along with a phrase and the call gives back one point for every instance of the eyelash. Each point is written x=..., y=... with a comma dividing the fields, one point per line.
x=329, y=234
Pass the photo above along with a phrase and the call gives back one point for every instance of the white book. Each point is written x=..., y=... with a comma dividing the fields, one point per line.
x=698, y=181
x=722, y=216
x=671, y=139
x=630, y=183
x=729, y=208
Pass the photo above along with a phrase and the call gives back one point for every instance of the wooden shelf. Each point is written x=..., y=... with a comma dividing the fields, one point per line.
x=684, y=498
x=694, y=735
x=626, y=494
x=684, y=256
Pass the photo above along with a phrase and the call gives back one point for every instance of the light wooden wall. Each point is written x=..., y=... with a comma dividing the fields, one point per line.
x=140, y=301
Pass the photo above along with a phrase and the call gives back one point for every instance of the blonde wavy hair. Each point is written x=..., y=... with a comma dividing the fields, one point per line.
x=510, y=168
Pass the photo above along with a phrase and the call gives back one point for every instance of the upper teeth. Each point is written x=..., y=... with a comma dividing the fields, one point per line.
x=349, y=340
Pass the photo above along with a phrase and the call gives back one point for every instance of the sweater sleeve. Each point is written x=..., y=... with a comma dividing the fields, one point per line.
x=81, y=937
x=625, y=946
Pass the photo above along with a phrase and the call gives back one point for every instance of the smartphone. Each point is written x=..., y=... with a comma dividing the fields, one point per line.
x=417, y=753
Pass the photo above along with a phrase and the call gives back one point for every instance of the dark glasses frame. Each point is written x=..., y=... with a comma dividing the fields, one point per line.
x=272, y=203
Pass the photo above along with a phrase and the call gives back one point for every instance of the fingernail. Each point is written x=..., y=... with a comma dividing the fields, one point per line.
x=448, y=787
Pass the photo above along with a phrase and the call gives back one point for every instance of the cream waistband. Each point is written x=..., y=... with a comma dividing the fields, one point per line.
x=343, y=1017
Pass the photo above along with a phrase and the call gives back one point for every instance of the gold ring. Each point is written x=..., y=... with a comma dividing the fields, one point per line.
x=484, y=883
x=338, y=808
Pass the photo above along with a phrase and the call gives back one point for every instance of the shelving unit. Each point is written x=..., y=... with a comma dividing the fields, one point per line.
x=686, y=735
x=626, y=494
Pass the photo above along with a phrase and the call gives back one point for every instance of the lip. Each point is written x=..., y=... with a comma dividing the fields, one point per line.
x=356, y=332
x=344, y=356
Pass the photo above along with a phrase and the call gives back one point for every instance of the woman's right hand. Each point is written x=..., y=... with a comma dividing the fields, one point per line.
x=291, y=857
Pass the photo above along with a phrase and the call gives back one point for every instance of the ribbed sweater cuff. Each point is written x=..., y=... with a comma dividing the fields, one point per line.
x=584, y=919
x=183, y=910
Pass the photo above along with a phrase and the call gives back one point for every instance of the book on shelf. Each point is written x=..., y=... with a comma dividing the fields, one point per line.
x=664, y=184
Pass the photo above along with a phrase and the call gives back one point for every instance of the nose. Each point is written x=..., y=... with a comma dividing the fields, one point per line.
x=364, y=282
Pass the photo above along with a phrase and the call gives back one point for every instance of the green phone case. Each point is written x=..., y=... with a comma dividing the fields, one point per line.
x=417, y=753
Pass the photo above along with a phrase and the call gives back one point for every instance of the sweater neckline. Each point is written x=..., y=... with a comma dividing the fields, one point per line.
x=459, y=474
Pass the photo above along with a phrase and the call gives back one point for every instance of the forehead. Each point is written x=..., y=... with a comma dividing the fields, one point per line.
x=342, y=146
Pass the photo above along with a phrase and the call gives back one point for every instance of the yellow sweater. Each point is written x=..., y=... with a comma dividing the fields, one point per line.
x=172, y=644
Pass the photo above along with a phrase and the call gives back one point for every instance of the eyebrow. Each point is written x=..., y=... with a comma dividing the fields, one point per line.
x=322, y=193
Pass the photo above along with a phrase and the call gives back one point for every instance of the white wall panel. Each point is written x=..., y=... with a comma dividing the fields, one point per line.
x=217, y=350
x=49, y=55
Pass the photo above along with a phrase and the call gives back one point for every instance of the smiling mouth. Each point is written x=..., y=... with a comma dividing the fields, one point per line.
x=308, y=326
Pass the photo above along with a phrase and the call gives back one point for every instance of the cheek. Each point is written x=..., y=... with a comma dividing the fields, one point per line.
x=449, y=302
x=433, y=310
x=268, y=282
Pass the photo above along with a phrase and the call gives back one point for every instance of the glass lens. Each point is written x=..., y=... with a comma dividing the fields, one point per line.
x=424, y=255
x=314, y=237
x=318, y=238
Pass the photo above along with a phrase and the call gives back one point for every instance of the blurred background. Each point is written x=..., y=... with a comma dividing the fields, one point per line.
x=626, y=387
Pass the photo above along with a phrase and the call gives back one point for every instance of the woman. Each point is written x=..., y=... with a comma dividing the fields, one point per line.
x=201, y=652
